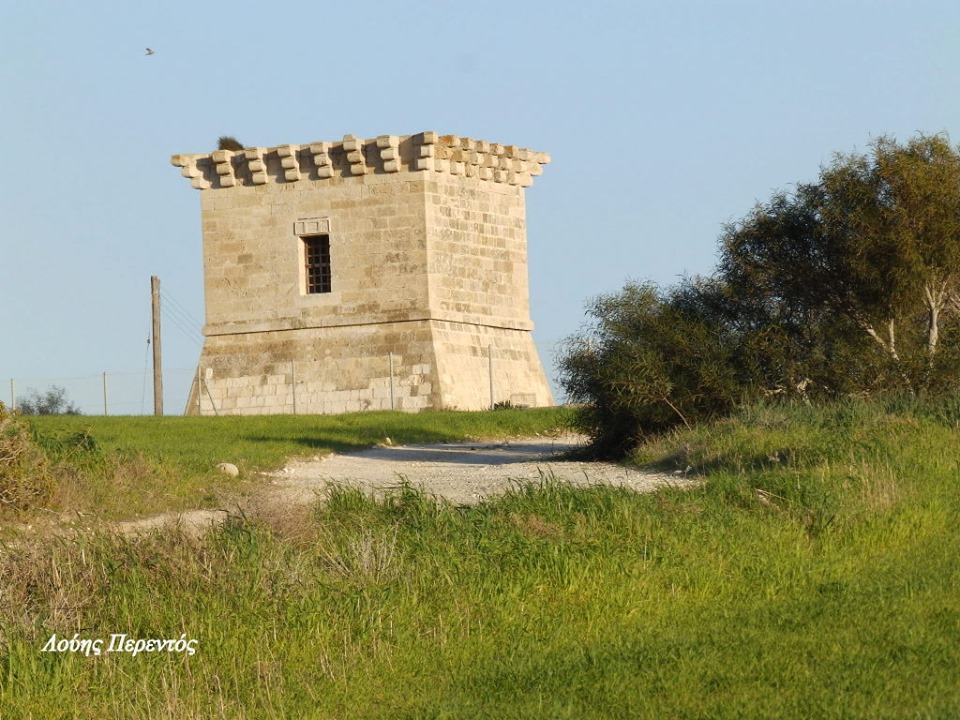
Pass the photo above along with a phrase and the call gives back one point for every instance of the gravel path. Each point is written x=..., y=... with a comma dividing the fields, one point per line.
x=462, y=473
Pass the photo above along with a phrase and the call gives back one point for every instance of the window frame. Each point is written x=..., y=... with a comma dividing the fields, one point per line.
x=316, y=266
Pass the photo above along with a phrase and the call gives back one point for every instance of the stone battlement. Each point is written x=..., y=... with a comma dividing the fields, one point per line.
x=352, y=157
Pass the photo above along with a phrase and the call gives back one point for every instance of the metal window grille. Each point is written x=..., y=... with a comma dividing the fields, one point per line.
x=316, y=253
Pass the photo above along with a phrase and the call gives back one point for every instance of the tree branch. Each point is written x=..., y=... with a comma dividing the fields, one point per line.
x=674, y=408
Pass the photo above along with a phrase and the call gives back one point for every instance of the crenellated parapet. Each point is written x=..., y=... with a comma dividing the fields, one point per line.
x=352, y=156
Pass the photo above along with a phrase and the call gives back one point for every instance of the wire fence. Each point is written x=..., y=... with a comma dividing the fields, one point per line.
x=106, y=393
x=117, y=393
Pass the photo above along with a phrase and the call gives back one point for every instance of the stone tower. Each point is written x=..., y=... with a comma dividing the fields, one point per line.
x=366, y=274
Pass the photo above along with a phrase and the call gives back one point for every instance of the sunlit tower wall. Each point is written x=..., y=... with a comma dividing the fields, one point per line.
x=366, y=275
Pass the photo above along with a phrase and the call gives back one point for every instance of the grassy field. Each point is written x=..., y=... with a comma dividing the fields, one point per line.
x=815, y=573
x=118, y=467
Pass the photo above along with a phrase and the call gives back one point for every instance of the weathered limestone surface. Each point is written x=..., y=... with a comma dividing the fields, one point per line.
x=428, y=261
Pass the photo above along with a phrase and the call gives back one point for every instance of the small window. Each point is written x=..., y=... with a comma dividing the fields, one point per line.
x=316, y=256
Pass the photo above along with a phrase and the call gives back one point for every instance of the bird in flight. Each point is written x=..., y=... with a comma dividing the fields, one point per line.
x=150, y=52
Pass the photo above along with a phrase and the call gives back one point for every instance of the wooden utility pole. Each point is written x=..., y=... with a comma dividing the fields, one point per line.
x=157, y=366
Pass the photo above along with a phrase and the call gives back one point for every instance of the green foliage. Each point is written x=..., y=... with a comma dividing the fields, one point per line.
x=811, y=572
x=649, y=362
x=849, y=286
x=867, y=258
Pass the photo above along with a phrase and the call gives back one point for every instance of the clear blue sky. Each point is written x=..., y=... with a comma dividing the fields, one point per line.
x=664, y=120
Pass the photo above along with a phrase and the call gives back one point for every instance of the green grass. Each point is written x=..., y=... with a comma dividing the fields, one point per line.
x=814, y=573
x=116, y=467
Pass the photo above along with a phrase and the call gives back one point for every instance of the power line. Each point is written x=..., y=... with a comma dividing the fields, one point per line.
x=192, y=333
x=180, y=307
x=183, y=321
x=146, y=360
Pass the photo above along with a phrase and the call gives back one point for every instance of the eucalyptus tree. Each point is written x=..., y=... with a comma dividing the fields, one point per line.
x=875, y=241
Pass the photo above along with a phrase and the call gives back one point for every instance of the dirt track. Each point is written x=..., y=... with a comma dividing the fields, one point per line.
x=462, y=473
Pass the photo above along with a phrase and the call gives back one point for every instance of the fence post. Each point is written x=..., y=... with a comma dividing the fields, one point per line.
x=293, y=384
x=105, y=401
x=490, y=371
x=391, y=381
x=13, y=395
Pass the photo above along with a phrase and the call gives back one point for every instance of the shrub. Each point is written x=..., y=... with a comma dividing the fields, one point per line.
x=226, y=142
x=52, y=402
x=650, y=362
x=26, y=478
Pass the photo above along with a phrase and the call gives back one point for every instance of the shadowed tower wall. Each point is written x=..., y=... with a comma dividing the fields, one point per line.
x=366, y=274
